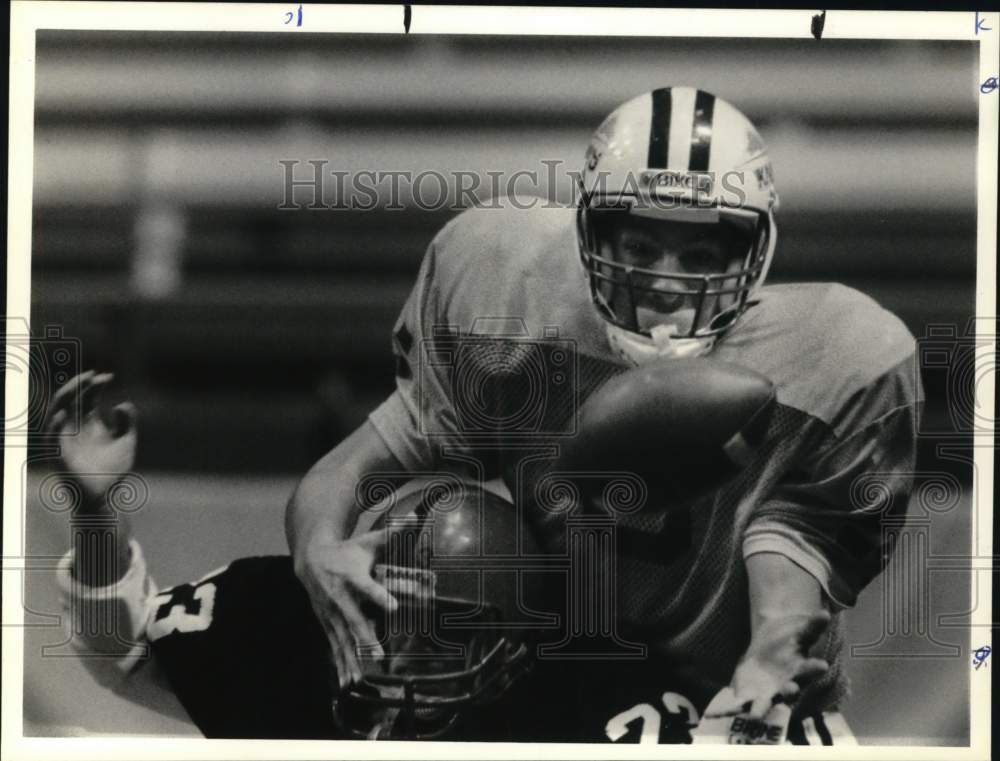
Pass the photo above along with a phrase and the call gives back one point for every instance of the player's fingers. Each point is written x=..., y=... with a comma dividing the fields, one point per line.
x=343, y=650
x=724, y=711
x=379, y=537
x=55, y=423
x=341, y=641
x=789, y=692
x=75, y=407
x=760, y=707
x=375, y=592
x=336, y=653
x=372, y=539
x=345, y=614
x=813, y=628
x=725, y=703
x=90, y=394
x=123, y=417
x=810, y=668
x=334, y=641
x=64, y=398
x=360, y=627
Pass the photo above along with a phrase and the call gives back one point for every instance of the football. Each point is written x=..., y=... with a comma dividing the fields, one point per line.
x=684, y=426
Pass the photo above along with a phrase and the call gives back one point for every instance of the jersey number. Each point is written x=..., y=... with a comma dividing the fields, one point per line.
x=648, y=719
x=182, y=609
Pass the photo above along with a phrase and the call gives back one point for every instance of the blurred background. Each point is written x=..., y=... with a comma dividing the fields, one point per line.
x=253, y=338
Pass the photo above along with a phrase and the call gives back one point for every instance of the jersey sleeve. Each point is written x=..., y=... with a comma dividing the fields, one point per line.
x=419, y=416
x=828, y=516
x=107, y=625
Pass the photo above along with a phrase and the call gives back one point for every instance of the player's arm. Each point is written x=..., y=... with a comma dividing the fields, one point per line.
x=102, y=578
x=334, y=565
x=779, y=588
x=324, y=502
x=787, y=616
x=817, y=540
x=93, y=458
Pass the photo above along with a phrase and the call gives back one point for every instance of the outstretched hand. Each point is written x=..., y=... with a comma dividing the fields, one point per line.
x=102, y=450
x=775, y=666
x=337, y=574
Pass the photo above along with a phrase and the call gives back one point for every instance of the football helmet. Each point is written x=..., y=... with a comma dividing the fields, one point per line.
x=454, y=558
x=675, y=221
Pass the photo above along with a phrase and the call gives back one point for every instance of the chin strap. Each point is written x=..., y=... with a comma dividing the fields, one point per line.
x=661, y=344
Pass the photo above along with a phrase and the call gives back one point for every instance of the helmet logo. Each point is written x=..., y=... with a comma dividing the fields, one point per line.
x=699, y=182
x=403, y=580
x=765, y=176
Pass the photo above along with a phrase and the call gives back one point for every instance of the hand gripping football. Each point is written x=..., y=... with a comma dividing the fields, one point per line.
x=685, y=426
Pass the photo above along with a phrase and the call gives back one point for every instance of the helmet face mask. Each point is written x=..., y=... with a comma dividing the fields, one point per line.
x=422, y=686
x=675, y=222
x=693, y=276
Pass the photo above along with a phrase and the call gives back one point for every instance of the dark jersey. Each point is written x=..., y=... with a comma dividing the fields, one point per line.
x=245, y=656
x=244, y=652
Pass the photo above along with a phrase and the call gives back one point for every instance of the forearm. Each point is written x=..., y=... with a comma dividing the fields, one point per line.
x=779, y=588
x=105, y=592
x=100, y=537
x=324, y=500
x=787, y=619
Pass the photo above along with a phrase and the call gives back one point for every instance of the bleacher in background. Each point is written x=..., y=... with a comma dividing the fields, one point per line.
x=252, y=338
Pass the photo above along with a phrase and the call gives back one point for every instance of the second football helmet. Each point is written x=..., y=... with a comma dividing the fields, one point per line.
x=454, y=559
x=675, y=221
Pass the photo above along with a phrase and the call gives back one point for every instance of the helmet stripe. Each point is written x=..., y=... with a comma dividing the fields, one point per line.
x=659, y=129
x=701, y=131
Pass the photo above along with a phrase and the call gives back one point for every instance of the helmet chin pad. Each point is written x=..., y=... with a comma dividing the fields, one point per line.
x=669, y=325
x=638, y=349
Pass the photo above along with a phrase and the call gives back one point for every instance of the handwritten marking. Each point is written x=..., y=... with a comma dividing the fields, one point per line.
x=292, y=14
x=981, y=25
x=818, y=21
x=979, y=657
x=988, y=86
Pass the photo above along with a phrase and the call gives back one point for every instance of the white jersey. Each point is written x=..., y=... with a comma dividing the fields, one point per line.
x=497, y=347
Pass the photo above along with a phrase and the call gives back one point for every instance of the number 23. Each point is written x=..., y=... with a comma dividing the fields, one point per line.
x=650, y=718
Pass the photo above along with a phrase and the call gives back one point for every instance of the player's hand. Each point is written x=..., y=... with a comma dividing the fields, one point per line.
x=775, y=666
x=103, y=449
x=337, y=574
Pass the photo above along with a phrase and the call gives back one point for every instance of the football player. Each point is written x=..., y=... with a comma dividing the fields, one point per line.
x=244, y=655
x=240, y=647
x=520, y=312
